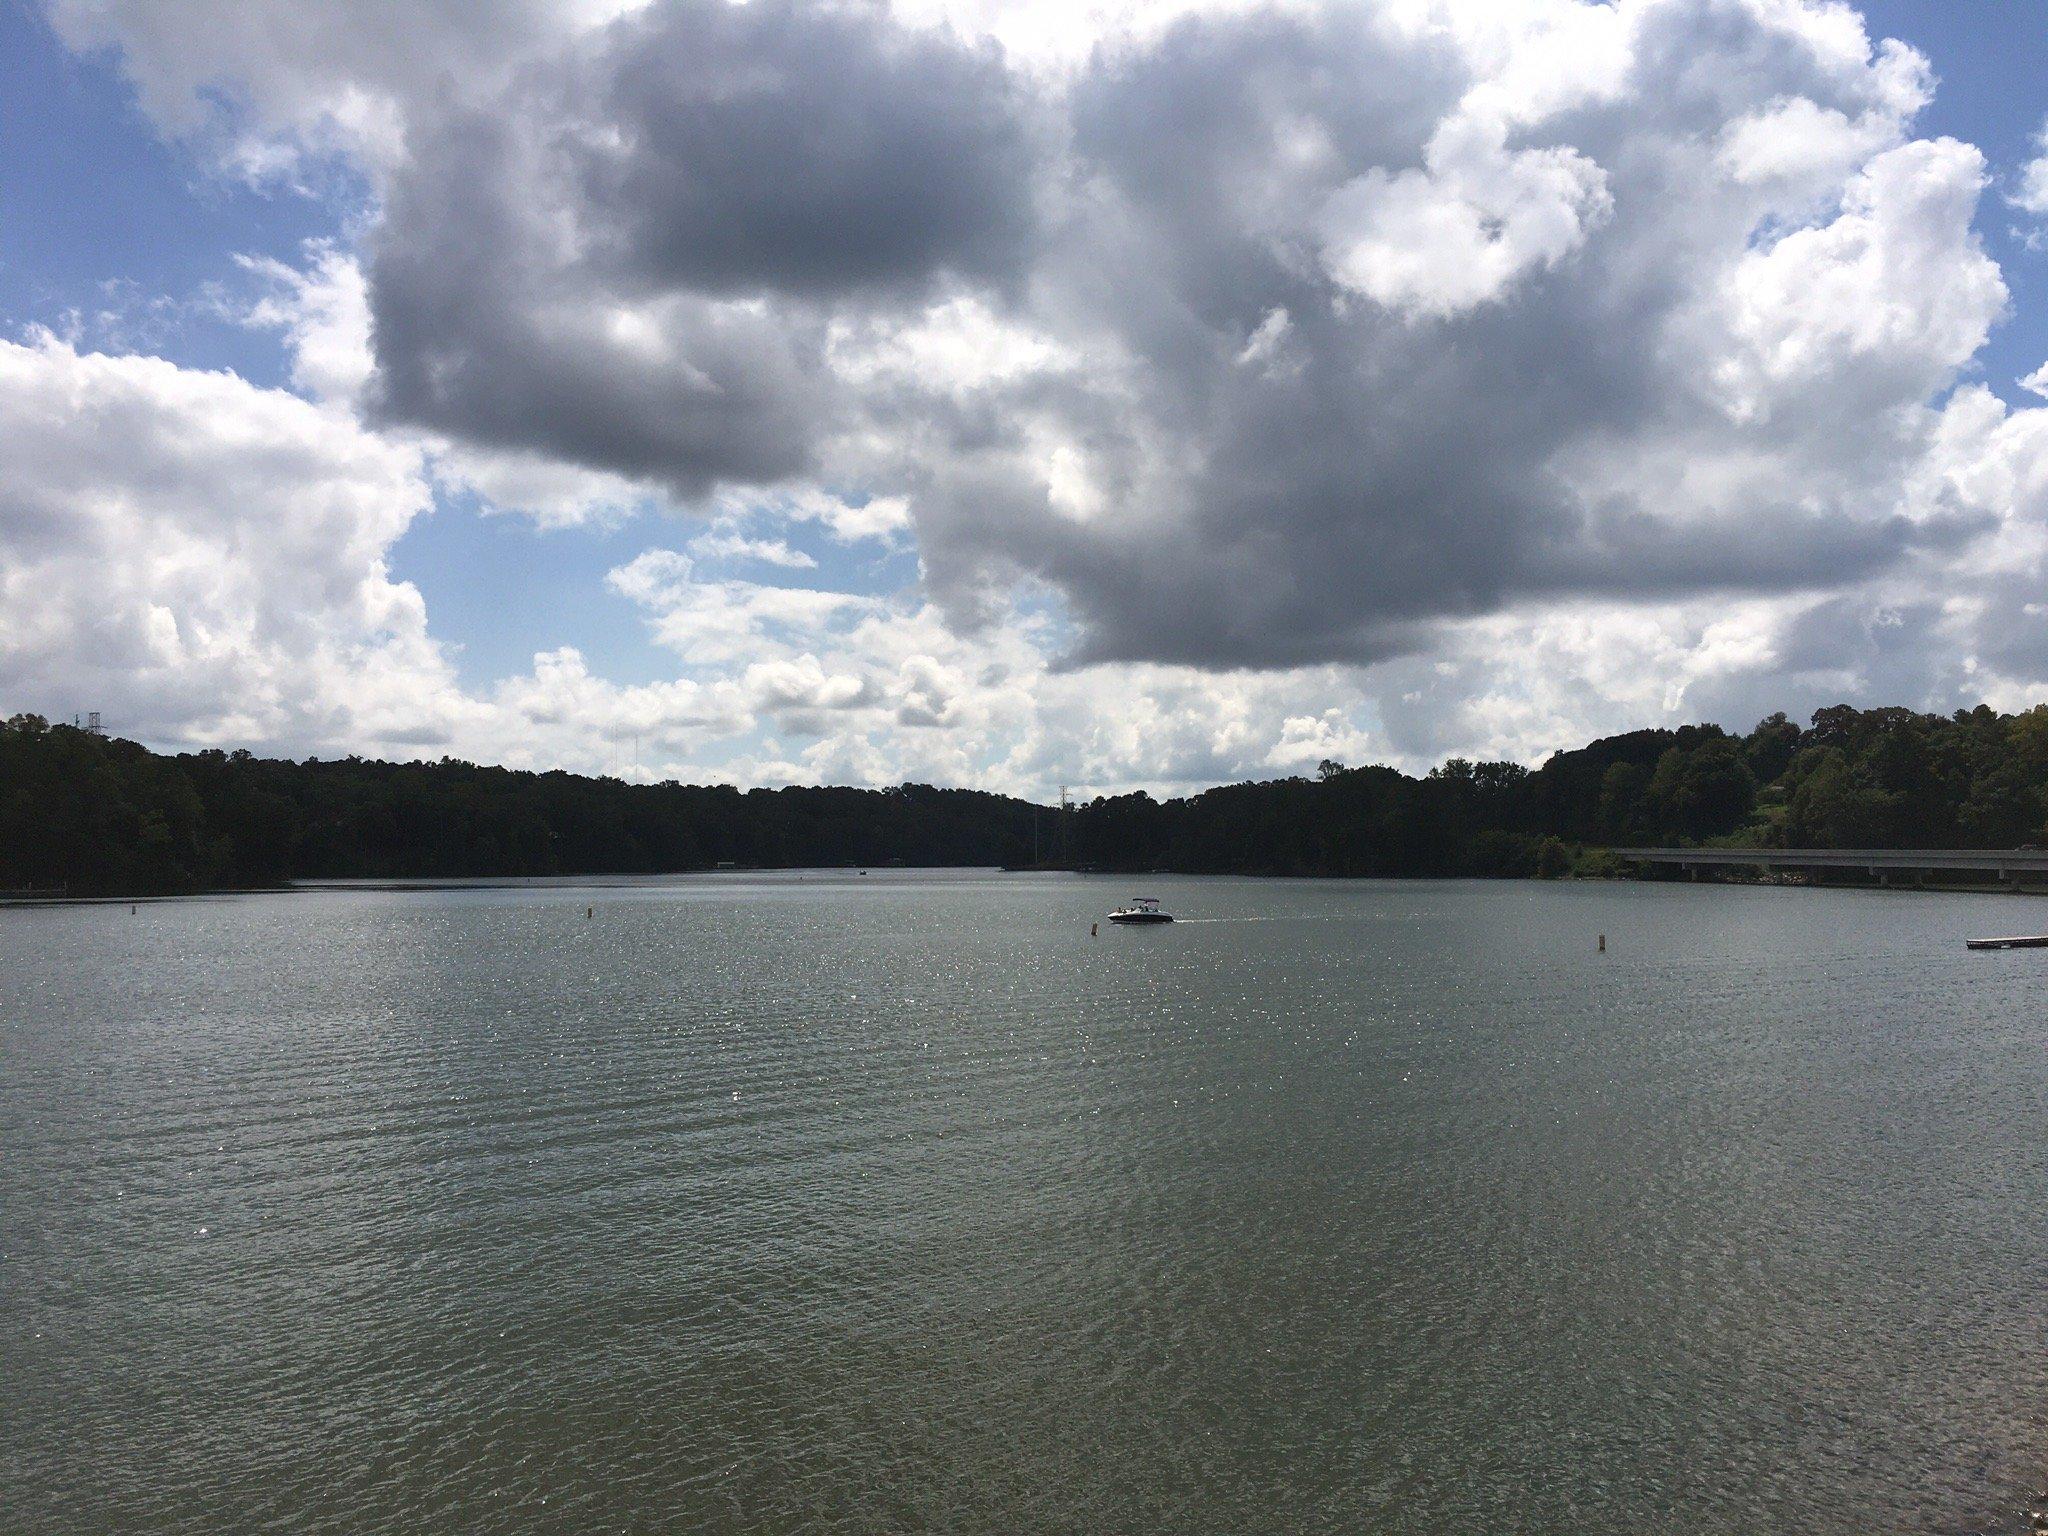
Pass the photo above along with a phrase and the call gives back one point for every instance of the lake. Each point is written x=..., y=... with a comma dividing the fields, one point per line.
x=838, y=1204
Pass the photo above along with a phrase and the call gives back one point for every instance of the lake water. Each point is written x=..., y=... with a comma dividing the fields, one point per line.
x=781, y=1203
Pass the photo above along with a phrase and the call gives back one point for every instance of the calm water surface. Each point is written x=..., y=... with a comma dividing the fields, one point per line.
x=869, y=1205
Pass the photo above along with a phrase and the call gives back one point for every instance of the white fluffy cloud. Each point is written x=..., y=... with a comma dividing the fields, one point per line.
x=1460, y=231
x=2029, y=193
x=1877, y=307
x=723, y=544
x=1796, y=142
x=206, y=563
x=198, y=556
x=877, y=690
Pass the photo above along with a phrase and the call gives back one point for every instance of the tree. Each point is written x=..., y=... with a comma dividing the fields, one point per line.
x=1623, y=815
x=1831, y=807
x=1770, y=748
x=2002, y=809
x=1705, y=792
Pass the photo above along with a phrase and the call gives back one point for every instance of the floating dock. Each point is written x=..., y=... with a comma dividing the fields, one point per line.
x=2027, y=941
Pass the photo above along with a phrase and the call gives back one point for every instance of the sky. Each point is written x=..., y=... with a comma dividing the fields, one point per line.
x=1112, y=393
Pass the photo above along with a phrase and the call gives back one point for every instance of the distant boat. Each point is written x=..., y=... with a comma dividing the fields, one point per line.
x=2020, y=941
x=1143, y=909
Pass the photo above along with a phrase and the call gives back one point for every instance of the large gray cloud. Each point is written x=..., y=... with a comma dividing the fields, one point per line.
x=630, y=258
x=480, y=335
x=1348, y=328
x=798, y=149
x=1391, y=464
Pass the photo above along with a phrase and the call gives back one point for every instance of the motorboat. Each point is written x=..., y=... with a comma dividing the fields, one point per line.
x=1143, y=909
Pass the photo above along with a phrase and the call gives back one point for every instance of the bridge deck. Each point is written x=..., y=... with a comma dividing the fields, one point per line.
x=1998, y=861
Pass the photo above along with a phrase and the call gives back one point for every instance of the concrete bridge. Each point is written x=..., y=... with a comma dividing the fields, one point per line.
x=1883, y=864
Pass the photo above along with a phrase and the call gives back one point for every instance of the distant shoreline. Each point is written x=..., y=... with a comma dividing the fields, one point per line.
x=614, y=880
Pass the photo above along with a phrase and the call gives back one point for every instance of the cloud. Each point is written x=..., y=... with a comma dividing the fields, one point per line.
x=1031, y=328
x=791, y=148
x=781, y=253
x=1525, y=291
x=1458, y=233
x=847, y=687
x=224, y=581
x=1249, y=380
x=633, y=259
x=1798, y=143
x=728, y=621
x=198, y=557
x=848, y=521
x=1879, y=306
x=206, y=563
x=271, y=81
x=322, y=310
x=2029, y=193
x=1266, y=348
x=723, y=544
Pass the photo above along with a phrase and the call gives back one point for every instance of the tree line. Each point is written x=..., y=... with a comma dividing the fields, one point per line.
x=1878, y=778
x=99, y=815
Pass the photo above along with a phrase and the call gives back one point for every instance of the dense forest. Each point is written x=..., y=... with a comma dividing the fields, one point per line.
x=93, y=814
